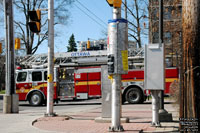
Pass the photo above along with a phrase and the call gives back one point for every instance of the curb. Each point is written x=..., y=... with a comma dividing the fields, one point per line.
x=33, y=122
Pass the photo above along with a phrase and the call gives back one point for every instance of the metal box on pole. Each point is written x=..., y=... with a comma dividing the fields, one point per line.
x=154, y=76
x=154, y=67
x=118, y=45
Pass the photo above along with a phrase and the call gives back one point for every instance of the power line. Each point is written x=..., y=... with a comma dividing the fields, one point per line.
x=91, y=12
x=90, y=17
x=100, y=9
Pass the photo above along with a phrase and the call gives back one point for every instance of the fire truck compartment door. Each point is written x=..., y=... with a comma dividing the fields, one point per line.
x=66, y=83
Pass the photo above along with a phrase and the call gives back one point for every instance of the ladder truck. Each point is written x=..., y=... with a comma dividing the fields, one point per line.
x=77, y=75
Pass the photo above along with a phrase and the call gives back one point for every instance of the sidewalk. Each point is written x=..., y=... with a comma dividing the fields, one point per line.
x=140, y=120
x=83, y=121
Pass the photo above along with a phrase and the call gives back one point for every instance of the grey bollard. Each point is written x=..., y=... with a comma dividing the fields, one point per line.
x=7, y=104
x=15, y=103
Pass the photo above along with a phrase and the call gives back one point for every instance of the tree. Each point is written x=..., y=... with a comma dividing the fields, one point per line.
x=137, y=14
x=29, y=39
x=71, y=44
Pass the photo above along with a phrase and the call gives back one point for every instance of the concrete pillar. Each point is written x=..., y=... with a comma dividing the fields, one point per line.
x=15, y=103
x=7, y=104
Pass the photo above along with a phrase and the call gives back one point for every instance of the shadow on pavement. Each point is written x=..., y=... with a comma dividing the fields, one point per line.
x=170, y=127
x=146, y=103
x=137, y=131
x=65, y=104
x=140, y=122
x=77, y=104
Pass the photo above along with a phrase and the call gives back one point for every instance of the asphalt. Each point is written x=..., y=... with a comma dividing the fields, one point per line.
x=83, y=121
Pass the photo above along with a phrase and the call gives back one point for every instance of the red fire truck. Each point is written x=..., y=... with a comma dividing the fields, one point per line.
x=81, y=83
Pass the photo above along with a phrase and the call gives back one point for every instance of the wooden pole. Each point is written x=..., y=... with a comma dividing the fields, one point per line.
x=191, y=60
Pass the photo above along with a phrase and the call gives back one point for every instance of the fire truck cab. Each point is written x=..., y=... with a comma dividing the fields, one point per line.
x=31, y=85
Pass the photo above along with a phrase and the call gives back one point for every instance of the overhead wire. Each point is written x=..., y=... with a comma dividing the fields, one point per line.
x=91, y=12
x=99, y=9
x=90, y=16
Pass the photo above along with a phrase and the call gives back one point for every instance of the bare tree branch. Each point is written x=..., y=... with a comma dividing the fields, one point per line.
x=133, y=36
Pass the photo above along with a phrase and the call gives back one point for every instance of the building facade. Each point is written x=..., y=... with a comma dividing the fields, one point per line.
x=172, y=28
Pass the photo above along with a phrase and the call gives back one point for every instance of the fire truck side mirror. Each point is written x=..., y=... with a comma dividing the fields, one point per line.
x=110, y=64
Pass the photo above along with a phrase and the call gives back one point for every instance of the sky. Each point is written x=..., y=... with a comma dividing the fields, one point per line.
x=88, y=19
x=82, y=26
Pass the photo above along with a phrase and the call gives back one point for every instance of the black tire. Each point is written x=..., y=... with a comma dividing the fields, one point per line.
x=36, y=99
x=134, y=96
x=123, y=99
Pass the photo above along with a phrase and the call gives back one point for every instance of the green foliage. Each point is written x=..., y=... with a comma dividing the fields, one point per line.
x=71, y=44
x=2, y=92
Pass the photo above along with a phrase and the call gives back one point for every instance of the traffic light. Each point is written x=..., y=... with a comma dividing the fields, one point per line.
x=35, y=21
x=0, y=47
x=17, y=43
x=88, y=44
x=110, y=2
x=115, y=3
x=111, y=67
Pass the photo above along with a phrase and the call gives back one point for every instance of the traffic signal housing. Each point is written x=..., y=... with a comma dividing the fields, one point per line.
x=88, y=44
x=17, y=43
x=34, y=21
x=114, y=3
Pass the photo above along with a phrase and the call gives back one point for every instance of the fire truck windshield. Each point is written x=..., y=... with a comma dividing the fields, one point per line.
x=21, y=76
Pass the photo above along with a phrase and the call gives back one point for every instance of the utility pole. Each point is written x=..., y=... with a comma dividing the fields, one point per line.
x=161, y=43
x=50, y=85
x=164, y=116
x=191, y=61
x=117, y=60
x=125, y=9
x=10, y=99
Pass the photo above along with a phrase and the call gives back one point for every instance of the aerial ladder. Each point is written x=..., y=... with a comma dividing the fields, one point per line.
x=87, y=58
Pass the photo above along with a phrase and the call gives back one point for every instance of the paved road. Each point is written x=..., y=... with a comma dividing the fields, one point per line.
x=65, y=106
x=73, y=106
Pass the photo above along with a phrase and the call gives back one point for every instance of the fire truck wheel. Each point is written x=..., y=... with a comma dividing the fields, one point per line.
x=36, y=99
x=134, y=95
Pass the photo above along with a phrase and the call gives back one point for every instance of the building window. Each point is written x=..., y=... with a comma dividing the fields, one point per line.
x=167, y=37
x=168, y=13
x=155, y=37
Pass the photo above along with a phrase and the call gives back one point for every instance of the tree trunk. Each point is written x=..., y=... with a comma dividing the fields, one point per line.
x=190, y=97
